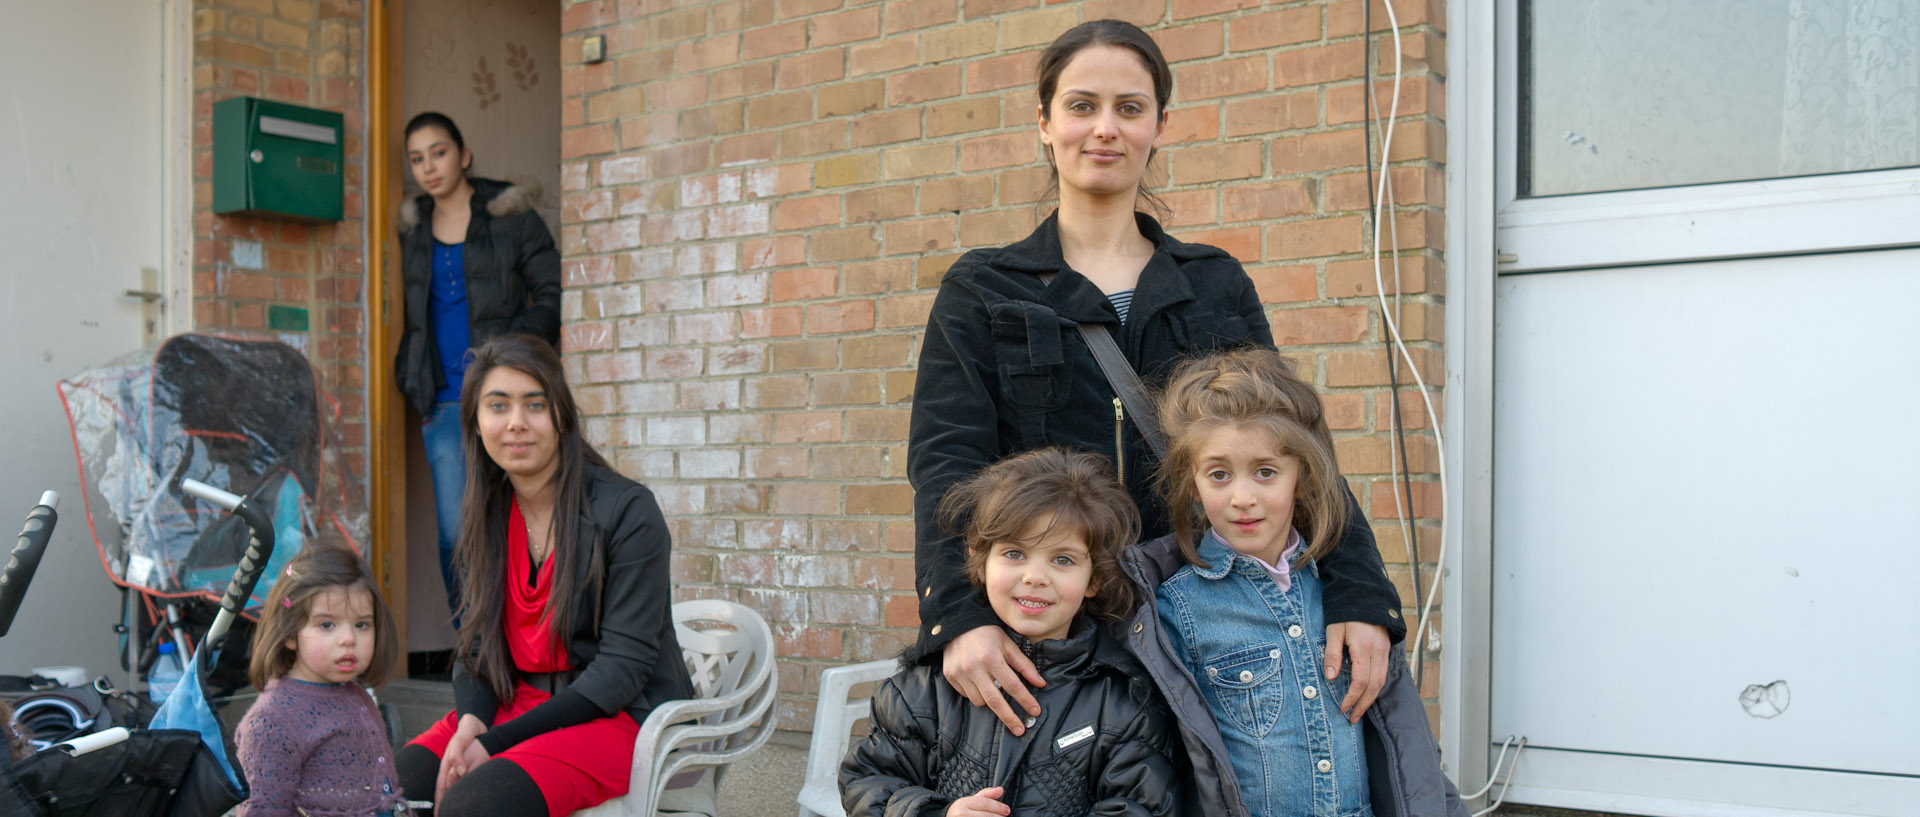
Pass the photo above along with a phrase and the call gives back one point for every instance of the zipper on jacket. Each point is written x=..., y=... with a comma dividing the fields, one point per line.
x=1119, y=454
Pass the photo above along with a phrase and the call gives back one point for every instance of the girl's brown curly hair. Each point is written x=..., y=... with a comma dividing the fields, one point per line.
x=1076, y=489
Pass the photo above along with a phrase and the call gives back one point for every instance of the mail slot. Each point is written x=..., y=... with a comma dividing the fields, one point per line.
x=275, y=159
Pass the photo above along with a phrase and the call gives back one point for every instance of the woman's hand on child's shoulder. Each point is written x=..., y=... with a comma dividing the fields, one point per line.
x=1367, y=646
x=984, y=803
x=986, y=667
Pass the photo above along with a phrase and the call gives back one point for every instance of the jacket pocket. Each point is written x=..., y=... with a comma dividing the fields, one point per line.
x=1244, y=686
x=1029, y=357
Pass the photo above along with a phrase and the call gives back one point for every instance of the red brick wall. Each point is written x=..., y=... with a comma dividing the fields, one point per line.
x=761, y=195
x=305, y=52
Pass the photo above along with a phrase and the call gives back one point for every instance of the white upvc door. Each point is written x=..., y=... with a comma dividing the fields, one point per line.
x=89, y=90
x=1705, y=530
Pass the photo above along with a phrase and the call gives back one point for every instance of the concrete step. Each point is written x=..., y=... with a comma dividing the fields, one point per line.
x=421, y=703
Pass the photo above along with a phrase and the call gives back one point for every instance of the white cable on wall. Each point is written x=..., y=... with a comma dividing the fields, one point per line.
x=1388, y=315
x=1393, y=327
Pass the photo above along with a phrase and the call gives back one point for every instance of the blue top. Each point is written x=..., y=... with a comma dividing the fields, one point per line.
x=447, y=308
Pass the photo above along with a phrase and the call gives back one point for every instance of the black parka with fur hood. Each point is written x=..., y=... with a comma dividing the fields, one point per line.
x=1102, y=745
x=513, y=281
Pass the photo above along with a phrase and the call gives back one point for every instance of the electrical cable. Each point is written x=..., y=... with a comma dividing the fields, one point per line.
x=1393, y=326
x=1400, y=479
x=1506, y=784
x=1376, y=202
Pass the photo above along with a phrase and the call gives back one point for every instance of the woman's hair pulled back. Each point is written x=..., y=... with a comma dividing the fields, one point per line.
x=1252, y=389
x=1119, y=34
x=481, y=551
x=434, y=119
x=318, y=568
x=1077, y=489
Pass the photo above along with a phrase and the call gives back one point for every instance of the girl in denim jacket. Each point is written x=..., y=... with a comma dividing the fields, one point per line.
x=1248, y=444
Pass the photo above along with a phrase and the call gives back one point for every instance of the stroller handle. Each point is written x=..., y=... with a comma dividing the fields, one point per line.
x=247, y=573
x=26, y=557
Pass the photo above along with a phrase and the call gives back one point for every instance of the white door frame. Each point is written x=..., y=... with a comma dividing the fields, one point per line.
x=176, y=174
x=1466, y=634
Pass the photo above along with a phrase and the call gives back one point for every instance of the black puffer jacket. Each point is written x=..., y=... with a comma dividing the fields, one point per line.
x=1003, y=369
x=513, y=281
x=1101, y=745
x=1404, y=778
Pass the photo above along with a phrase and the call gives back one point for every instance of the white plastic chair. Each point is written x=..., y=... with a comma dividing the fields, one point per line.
x=833, y=719
x=684, y=747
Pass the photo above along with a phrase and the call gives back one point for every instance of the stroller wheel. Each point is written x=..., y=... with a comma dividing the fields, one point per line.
x=396, y=737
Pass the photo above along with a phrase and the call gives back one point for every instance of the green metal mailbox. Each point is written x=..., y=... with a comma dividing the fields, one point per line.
x=275, y=159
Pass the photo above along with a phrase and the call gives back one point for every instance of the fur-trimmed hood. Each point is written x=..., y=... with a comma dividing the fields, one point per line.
x=502, y=199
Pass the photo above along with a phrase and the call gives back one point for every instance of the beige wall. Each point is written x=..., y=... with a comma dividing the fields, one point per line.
x=494, y=66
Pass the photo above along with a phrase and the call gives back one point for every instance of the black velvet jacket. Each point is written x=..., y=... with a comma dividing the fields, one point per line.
x=631, y=661
x=1003, y=369
x=513, y=281
x=1102, y=744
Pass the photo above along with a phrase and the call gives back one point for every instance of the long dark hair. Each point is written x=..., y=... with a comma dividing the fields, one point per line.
x=316, y=569
x=1119, y=34
x=481, y=551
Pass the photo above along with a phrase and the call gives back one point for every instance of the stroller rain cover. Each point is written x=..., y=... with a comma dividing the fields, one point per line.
x=244, y=415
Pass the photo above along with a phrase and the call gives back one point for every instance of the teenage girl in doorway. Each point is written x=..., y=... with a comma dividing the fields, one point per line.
x=484, y=265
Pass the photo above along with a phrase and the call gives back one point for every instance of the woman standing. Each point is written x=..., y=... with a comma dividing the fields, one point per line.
x=567, y=637
x=485, y=266
x=1004, y=368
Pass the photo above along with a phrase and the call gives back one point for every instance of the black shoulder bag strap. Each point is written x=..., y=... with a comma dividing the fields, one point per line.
x=1126, y=385
x=1125, y=381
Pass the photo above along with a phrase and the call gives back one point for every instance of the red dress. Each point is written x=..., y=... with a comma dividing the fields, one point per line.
x=577, y=767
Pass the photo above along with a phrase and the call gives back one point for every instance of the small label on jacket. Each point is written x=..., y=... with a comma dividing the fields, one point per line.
x=1075, y=736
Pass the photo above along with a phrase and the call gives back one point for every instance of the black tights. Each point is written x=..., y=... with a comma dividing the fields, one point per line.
x=498, y=787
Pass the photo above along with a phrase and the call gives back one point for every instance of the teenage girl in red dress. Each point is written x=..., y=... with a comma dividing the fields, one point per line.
x=566, y=637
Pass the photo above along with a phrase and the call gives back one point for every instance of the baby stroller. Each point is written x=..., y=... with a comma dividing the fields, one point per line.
x=243, y=415
x=142, y=771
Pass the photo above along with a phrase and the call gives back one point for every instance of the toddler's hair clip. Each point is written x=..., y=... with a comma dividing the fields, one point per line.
x=287, y=603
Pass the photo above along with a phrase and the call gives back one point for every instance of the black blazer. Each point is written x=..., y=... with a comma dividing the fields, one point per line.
x=631, y=662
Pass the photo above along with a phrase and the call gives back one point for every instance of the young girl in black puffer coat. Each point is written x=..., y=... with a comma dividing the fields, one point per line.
x=1044, y=531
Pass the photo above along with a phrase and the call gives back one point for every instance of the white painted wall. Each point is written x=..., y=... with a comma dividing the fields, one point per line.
x=81, y=155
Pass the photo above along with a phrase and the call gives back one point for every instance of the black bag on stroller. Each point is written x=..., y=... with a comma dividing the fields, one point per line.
x=139, y=772
x=153, y=772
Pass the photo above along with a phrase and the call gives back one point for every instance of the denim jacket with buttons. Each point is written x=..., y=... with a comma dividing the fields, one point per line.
x=1403, y=776
x=1004, y=369
x=1256, y=651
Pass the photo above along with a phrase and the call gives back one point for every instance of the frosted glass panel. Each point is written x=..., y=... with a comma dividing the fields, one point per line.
x=1629, y=94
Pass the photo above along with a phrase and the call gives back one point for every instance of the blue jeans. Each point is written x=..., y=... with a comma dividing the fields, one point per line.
x=448, y=461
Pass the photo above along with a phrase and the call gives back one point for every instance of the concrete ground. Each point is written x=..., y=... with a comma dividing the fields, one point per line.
x=767, y=783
